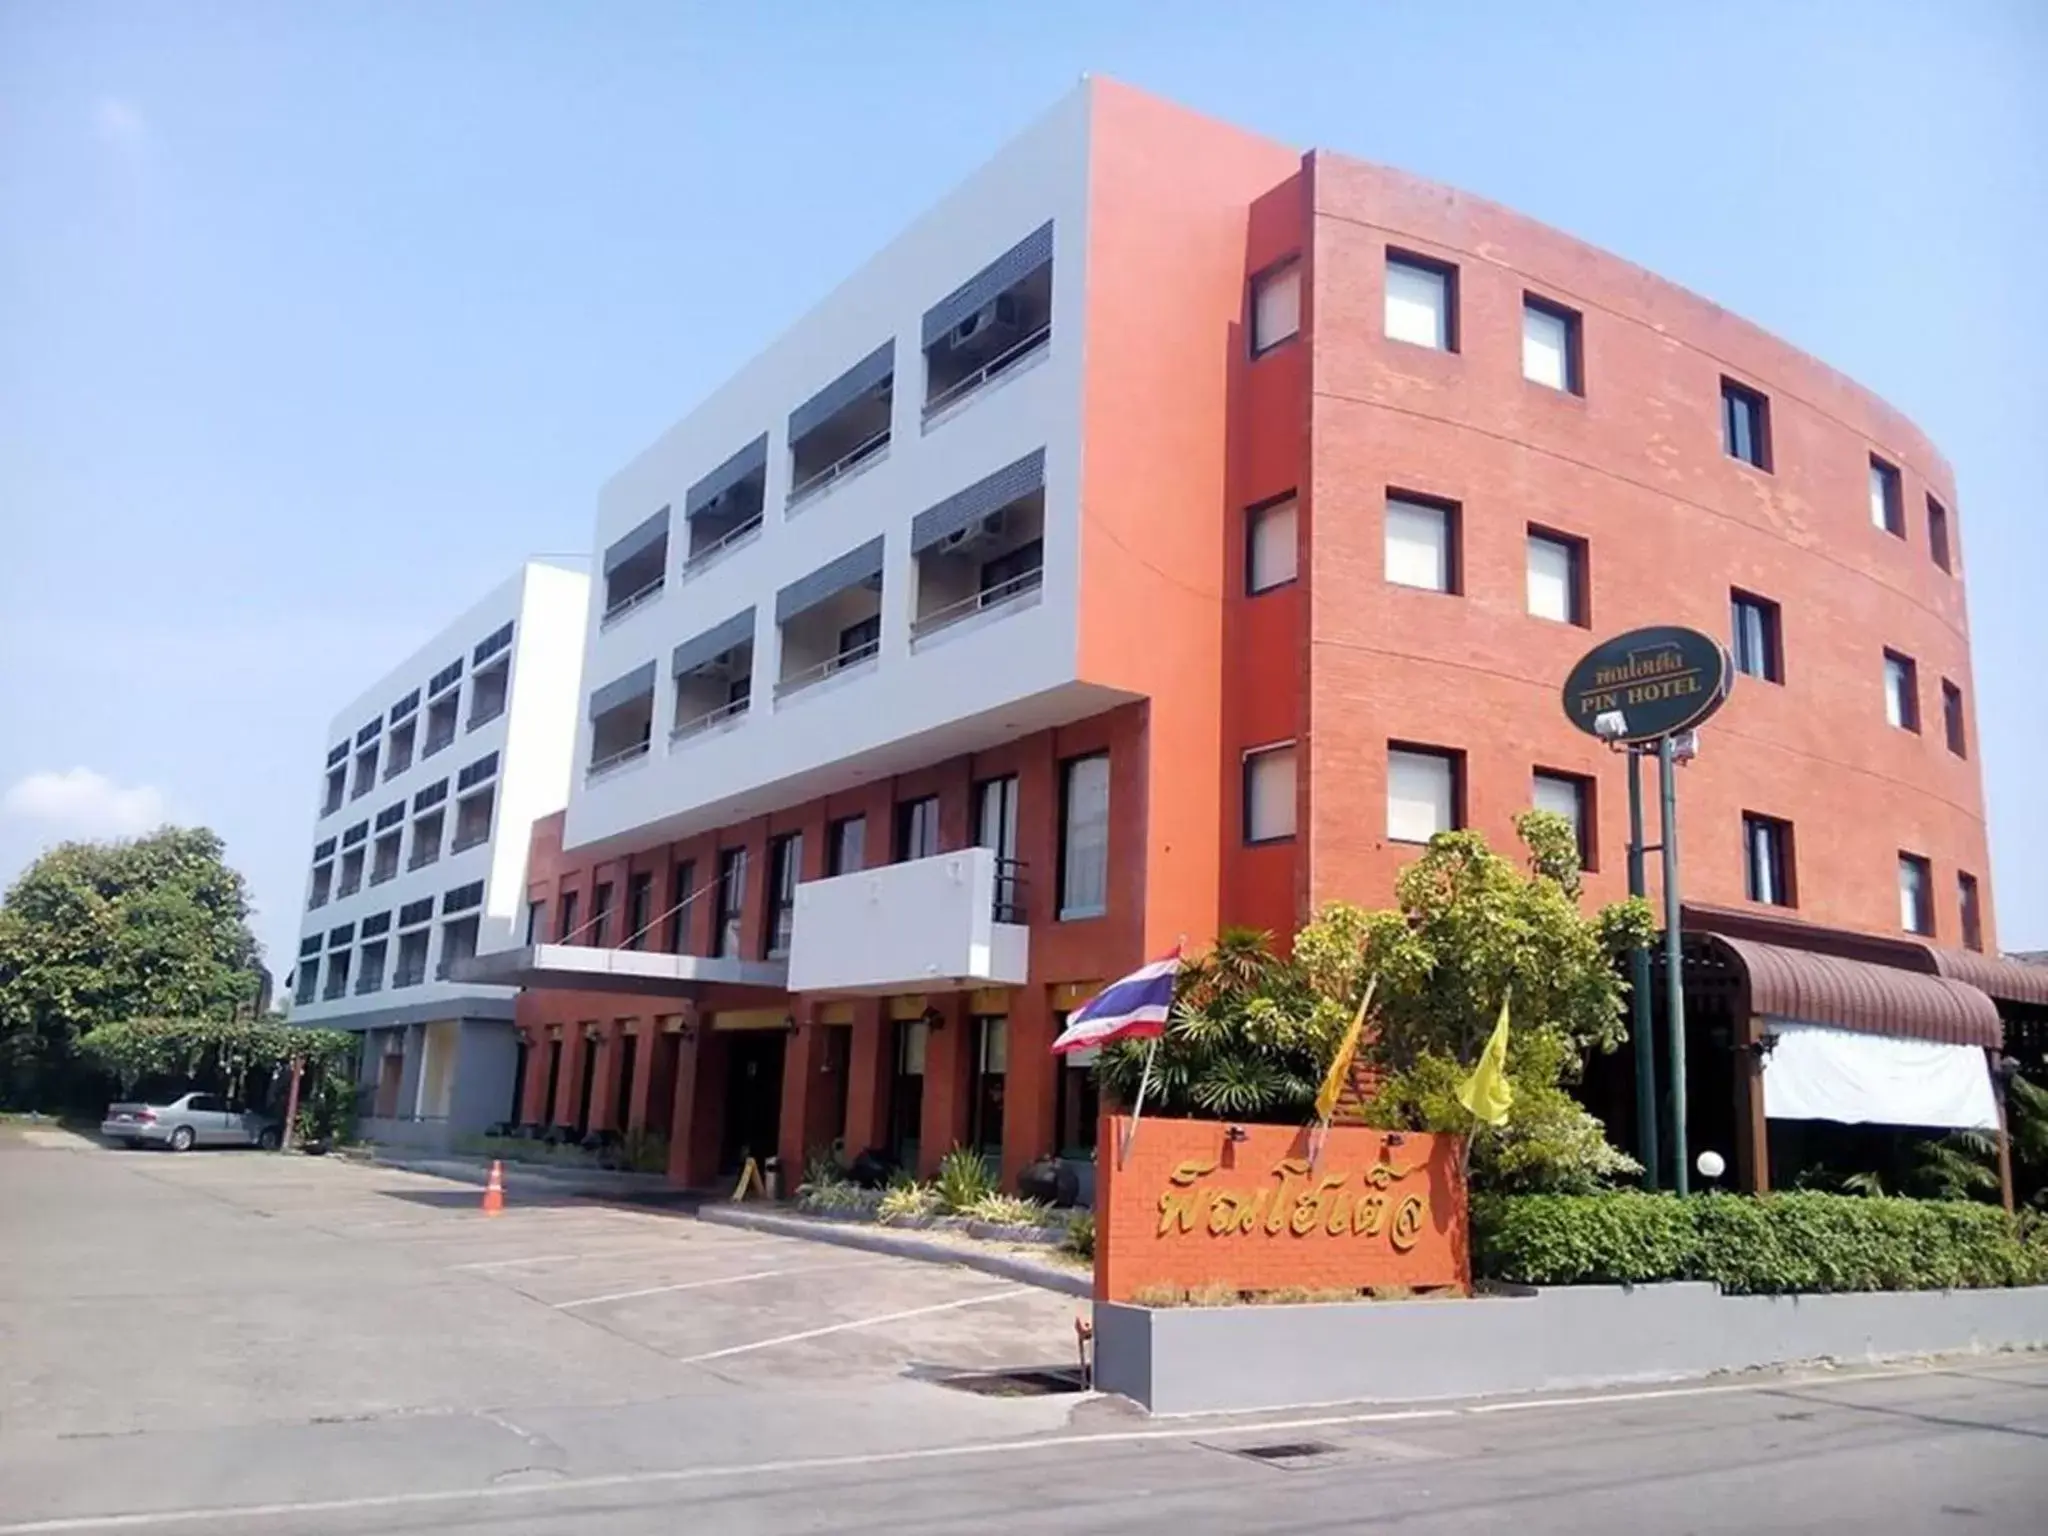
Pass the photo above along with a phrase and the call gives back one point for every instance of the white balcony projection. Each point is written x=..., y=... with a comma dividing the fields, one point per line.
x=925, y=925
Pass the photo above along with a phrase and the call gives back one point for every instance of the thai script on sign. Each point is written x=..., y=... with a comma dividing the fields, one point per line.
x=1300, y=1203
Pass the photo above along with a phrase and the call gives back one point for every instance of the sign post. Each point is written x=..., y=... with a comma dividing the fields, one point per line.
x=1637, y=692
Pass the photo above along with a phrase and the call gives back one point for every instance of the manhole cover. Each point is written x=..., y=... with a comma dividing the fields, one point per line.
x=1287, y=1450
x=1031, y=1383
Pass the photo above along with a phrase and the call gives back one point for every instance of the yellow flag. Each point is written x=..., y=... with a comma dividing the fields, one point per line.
x=1340, y=1064
x=1487, y=1092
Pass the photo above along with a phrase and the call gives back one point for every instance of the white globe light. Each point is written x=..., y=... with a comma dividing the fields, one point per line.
x=1711, y=1165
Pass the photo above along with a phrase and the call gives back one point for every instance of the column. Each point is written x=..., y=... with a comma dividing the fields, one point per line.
x=801, y=1053
x=1031, y=1081
x=647, y=1031
x=945, y=1082
x=569, y=1084
x=604, y=1093
x=868, y=1073
x=681, y=1121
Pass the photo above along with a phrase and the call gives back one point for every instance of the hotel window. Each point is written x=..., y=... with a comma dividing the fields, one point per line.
x=846, y=846
x=1901, y=691
x=1550, y=345
x=682, y=887
x=1269, y=794
x=308, y=980
x=995, y=828
x=1570, y=796
x=985, y=1093
x=569, y=928
x=1422, y=301
x=917, y=828
x=1757, y=652
x=1077, y=1101
x=536, y=922
x=1972, y=915
x=1887, y=501
x=785, y=865
x=1423, y=793
x=601, y=914
x=1422, y=543
x=458, y=942
x=1916, y=894
x=639, y=892
x=1084, y=836
x=1557, y=577
x=1745, y=424
x=732, y=901
x=1276, y=305
x=906, y=1088
x=1271, y=548
x=1937, y=535
x=1767, y=859
x=1952, y=718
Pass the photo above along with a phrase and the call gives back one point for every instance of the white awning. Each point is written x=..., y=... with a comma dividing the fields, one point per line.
x=1816, y=1073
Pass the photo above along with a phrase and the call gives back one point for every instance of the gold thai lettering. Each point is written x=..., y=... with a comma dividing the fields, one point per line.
x=1295, y=1203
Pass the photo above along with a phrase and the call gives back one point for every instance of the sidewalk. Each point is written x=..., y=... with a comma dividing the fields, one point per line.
x=529, y=1178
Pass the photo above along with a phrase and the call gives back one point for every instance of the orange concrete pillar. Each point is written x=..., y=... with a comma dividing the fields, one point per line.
x=682, y=1169
x=1030, y=1081
x=533, y=1093
x=647, y=1042
x=800, y=1057
x=604, y=1091
x=868, y=1073
x=569, y=1082
x=946, y=1053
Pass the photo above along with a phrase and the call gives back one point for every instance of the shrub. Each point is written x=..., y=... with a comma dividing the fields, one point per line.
x=907, y=1202
x=1755, y=1245
x=1080, y=1238
x=1009, y=1211
x=963, y=1179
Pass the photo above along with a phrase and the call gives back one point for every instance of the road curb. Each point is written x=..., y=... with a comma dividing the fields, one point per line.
x=903, y=1246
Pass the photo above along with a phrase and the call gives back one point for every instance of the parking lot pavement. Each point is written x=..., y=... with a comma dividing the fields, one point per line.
x=228, y=1326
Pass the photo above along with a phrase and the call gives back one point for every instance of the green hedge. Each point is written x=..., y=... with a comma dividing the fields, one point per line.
x=1755, y=1244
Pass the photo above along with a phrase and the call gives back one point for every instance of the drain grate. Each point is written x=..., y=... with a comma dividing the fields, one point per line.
x=1287, y=1450
x=1027, y=1383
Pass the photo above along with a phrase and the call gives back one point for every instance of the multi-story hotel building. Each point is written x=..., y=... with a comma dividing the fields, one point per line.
x=427, y=801
x=1173, y=530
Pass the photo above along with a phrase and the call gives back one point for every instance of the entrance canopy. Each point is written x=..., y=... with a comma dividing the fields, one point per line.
x=586, y=968
x=1806, y=987
x=1817, y=1073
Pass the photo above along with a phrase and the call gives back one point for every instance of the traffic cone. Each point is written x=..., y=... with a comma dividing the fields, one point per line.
x=494, y=1190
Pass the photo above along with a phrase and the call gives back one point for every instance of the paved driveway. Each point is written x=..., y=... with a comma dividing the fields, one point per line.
x=242, y=1343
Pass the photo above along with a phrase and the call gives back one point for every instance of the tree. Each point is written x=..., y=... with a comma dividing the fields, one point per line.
x=1251, y=1034
x=242, y=1058
x=93, y=933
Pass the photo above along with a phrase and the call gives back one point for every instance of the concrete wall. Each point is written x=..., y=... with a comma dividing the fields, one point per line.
x=1227, y=1359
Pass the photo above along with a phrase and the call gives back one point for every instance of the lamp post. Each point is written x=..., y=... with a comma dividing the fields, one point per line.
x=1639, y=988
x=1674, y=980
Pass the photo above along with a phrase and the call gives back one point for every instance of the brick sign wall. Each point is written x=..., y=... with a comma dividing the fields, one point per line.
x=1193, y=1208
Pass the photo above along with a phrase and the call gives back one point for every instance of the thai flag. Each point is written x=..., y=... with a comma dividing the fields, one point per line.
x=1127, y=1009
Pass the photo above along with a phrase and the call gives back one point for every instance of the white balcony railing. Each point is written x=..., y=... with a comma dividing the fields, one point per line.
x=996, y=366
x=812, y=484
x=796, y=682
x=925, y=925
x=699, y=558
x=616, y=760
x=997, y=596
x=626, y=605
x=711, y=719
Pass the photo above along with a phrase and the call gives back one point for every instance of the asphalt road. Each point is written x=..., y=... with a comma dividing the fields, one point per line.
x=241, y=1343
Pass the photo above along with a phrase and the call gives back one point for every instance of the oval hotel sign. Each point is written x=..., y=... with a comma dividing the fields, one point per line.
x=1647, y=683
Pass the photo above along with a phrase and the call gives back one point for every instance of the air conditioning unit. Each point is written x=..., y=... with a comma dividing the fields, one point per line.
x=998, y=315
x=984, y=530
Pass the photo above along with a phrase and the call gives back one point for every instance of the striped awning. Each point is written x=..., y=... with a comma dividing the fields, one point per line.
x=1807, y=987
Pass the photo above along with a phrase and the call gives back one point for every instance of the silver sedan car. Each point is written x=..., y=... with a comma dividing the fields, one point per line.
x=192, y=1120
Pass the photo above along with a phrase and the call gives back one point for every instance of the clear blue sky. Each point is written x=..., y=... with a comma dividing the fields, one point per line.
x=315, y=318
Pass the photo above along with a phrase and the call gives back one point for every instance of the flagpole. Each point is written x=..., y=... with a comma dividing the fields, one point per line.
x=1138, y=1107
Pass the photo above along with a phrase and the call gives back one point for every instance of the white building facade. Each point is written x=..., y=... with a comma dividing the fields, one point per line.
x=427, y=799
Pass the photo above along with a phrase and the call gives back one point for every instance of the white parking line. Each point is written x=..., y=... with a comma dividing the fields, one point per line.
x=861, y=1322
x=697, y=1285
x=538, y=1258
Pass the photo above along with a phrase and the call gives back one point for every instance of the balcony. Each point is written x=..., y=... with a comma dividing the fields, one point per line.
x=725, y=509
x=990, y=327
x=621, y=721
x=831, y=620
x=487, y=690
x=441, y=723
x=921, y=926
x=843, y=428
x=980, y=553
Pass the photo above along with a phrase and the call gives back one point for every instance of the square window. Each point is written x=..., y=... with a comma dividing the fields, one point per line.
x=1745, y=424
x=1422, y=301
x=1937, y=535
x=846, y=846
x=1767, y=859
x=1901, y=692
x=1550, y=345
x=1887, y=502
x=1422, y=543
x=1269, y=794
x=1557, y=577
x=1276, y=305
x=1757, y=644
x=1967, y=908
x=1571, y=796
x=1424, y=793
x=1952, y=718
x=1916, y=894
x=1271, y=547
x=917, y=828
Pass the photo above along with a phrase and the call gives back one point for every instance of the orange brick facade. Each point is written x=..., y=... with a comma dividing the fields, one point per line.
x=1184, y=213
